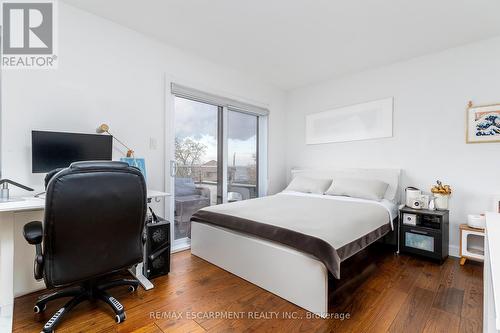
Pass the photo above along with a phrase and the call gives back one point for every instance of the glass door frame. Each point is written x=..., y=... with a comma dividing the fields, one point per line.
x=222, y=146
x=222, y=154
x=259, y=183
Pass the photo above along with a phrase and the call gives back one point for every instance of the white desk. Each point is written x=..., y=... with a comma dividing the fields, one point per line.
x=13, y=216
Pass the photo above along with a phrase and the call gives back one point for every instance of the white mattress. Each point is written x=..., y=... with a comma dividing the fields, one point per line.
x=390, y=206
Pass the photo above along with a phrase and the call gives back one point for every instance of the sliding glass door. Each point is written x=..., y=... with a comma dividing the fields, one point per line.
x=242, y=159
x=217, y=154
x=197, y=183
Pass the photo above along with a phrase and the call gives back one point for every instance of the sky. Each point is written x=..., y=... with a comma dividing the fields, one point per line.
x=198, y=121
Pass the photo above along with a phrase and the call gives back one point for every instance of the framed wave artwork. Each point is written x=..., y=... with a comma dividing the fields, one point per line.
x=371, y=120
x=483, y=123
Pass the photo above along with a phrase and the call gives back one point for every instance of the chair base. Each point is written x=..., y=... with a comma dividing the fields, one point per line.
x=87, y=291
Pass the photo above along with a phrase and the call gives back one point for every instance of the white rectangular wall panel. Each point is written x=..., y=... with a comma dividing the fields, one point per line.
x=363, y=121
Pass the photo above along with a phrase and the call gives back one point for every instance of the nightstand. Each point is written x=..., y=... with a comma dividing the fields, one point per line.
x=424, y=232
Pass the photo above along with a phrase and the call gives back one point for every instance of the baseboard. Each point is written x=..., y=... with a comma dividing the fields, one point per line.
x=19, y=294
x=181, y=245
x=454, y=251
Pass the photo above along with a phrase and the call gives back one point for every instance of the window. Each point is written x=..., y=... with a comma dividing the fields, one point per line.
x=242, y=175
x=196, y=183
x=219, y=154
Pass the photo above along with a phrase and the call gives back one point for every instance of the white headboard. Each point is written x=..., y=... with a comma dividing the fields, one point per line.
x=389, y=176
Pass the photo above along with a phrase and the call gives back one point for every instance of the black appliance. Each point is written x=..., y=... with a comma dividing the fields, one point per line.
x=52, y=150
x=157, y=247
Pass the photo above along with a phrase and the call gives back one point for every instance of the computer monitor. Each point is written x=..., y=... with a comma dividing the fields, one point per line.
x=51, y=150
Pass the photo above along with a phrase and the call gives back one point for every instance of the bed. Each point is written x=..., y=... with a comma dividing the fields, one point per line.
x=291, y=242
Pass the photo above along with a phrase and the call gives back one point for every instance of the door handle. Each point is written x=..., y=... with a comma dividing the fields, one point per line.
x=173, y=168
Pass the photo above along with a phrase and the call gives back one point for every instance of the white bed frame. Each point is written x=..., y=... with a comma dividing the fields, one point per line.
x=288, y=273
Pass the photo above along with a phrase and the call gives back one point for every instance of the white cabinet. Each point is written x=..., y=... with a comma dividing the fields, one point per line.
x=491, y=276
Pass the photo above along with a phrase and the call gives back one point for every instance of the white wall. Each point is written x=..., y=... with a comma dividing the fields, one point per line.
x=108, y=73
x=430, y=97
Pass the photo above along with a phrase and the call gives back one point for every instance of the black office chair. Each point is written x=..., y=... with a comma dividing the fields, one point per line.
x=94, y=218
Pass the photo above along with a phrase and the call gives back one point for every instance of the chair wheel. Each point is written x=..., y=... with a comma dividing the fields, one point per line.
x=131, y=289
x=120, y=318
x=37, y=309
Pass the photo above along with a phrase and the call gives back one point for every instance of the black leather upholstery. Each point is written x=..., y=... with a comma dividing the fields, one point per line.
x=50, y=175
x=94, y=218
x=33, y=232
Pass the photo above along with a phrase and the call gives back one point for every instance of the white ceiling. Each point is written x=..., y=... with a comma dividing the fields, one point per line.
x=292, y=43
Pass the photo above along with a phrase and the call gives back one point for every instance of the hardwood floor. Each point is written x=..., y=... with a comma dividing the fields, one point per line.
x=404, y=294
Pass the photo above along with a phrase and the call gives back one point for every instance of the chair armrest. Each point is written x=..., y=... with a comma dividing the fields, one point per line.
x=204, y=191
x=33, y=232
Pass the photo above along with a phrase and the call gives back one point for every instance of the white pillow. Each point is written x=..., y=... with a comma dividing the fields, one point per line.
x=389, y=176
x=309, y=185
x=358, y=188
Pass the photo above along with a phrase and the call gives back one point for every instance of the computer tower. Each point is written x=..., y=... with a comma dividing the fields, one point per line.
x=157, y=248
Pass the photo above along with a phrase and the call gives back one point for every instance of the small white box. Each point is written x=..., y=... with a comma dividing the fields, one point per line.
x=410, y=219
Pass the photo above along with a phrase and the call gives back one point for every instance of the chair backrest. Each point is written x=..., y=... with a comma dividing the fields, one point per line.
x=94, y=218
x=185, y=186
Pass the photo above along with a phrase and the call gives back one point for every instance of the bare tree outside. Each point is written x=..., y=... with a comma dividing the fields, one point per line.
x=188, y=155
